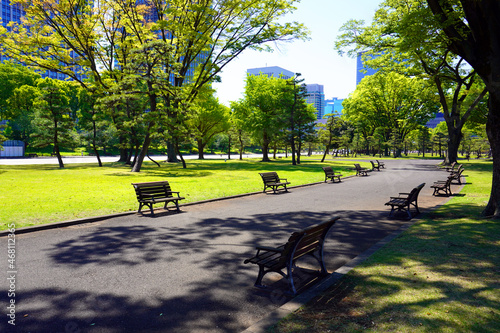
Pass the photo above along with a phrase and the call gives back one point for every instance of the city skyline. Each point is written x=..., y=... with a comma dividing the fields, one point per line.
x=316, y=60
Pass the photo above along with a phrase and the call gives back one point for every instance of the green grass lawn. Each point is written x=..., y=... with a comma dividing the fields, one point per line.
x=442, y=275
x=38, y=194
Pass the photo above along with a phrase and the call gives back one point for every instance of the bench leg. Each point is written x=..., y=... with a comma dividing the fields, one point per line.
x=392, y=211
x=262, y=272
x=290, y=279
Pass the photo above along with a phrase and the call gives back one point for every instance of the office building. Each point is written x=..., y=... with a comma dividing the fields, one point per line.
x=13, y=13
x=316, y=97
x=334, y=106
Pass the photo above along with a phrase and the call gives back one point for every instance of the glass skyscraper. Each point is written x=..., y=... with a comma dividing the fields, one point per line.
x=13, y=13
x=316, y=97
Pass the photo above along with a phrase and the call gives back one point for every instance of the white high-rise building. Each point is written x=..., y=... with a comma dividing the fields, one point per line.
x=274, y=71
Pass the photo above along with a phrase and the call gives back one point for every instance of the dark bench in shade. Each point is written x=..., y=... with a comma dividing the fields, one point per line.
x=405, y=200
x=308, y=241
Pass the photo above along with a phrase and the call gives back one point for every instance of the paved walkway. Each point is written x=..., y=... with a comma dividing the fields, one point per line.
x=184, y=272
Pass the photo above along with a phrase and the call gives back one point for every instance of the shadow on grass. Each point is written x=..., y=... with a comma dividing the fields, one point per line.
x=442, y=275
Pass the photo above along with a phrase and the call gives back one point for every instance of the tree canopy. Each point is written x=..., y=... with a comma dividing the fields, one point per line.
x=170, y=49
x=406, y=38
x=392, y=103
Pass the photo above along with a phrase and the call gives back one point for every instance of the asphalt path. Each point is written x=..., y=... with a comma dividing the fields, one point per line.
x=184, y=272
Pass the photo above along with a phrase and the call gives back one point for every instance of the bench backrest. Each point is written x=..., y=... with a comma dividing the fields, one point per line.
x=373, y=164
x=357, y=166
x=152, y=190
x=328, y=171
x=414, y=193
x=270, y=177
x=306, y=241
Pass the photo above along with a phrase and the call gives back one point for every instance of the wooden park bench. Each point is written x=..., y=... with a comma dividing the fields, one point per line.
x=272, y=181
x=452, y=167
x=380, y=164
x=360, y=171
x=151, y=193
x=308, y=241
x=457, y=175
x=375, y=166
x=405, y=200
x=330, y=174
x=443, y=186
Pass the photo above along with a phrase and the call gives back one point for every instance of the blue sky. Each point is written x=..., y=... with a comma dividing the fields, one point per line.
x=315, y=59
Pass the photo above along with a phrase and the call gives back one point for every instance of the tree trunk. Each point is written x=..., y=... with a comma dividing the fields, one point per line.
x=455, y=137
x=171, y=154
x=299, y=149
x=265, y=148
x=241, y=147
x=327, y=150
x=123, y=151
x=59, y=158
x=94, y=148
x=229, y=147
x=201, y=147
x=140, y=158
x=178, y=151
x=493, y=206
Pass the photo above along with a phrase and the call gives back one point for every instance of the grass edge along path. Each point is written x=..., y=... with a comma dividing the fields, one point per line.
x=41, y=194
x=441, y=275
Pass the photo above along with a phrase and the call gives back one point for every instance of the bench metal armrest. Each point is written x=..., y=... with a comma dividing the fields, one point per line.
x=280, y=179
x=407, y=194
x=176, y=192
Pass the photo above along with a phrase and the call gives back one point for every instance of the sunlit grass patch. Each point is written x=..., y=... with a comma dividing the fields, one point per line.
x=37, y=194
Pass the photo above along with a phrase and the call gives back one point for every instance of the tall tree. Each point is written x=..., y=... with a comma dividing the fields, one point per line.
x=393, y=102
x=53, y=122
x=473, y=29
x=263, y=109
x=406, y=38
x=208, y=118
x=299, y=115
x=238, y=117
x=17, y=92
x=21, y=113
x=329, y=133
